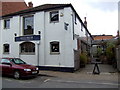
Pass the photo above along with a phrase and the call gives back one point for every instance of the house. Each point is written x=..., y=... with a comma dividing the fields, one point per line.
x=50, y=36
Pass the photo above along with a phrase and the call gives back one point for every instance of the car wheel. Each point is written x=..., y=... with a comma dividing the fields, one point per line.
x=16, y=74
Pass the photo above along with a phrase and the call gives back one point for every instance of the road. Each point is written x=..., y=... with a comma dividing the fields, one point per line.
x=43, y=81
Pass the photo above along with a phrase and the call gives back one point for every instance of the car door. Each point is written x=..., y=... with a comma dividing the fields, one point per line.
x=6, y=67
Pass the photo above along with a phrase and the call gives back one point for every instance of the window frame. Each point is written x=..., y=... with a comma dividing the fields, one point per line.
x=24, y=25
x=25, y=49
x=5, y=24
x=4, y=49
x=53, y=12
x=55, y=43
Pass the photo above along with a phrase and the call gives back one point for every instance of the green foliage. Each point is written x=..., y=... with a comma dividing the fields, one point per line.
x=110, y=53
x=83, y=58
x=99, y=51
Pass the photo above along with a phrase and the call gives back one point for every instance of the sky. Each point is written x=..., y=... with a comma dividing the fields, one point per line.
x=102, y=15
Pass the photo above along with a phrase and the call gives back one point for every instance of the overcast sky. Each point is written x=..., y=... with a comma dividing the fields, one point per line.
x=102, y=15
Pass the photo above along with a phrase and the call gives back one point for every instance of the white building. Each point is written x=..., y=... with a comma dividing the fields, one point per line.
x=49, y=35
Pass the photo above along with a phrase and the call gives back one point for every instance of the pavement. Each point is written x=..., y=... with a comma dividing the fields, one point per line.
x=107, y=73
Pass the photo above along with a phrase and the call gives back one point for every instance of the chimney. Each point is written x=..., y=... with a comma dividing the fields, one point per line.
x=30, y=4
x=85, y=22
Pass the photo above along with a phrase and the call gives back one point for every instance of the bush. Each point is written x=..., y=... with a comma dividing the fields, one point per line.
x=83, y=58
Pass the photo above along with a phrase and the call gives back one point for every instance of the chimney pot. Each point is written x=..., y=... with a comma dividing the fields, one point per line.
x=85, y=22
x=30, y=4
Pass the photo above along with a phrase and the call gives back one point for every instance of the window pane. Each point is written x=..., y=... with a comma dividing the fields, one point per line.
x=54, y=46
x=54, y=16
x=5, y=61
x=6, y=48
x=6, y=24
x=27, y=47
x=28, y=25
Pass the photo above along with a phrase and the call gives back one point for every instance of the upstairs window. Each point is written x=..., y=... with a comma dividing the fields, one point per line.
x=7, y=24
x=6, y=48
x=27, y=48
x=54, y=16
x=28, y=25
x=54, y=47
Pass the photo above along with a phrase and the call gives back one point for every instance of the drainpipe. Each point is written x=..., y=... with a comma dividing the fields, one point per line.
x=38, y=44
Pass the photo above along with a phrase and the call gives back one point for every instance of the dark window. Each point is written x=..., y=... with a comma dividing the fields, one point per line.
x=6, y=48
x=66, y=26
x=7, y=24
x=54, y=16
x=27, y=47
x=81, y=27
x=28, y=25
x=54, y=47
x=75, y=19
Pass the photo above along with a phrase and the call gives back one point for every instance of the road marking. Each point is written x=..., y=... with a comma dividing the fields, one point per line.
x=46, y=80
x=25, y=81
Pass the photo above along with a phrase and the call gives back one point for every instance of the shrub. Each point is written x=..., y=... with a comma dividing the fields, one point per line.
x=83, y=58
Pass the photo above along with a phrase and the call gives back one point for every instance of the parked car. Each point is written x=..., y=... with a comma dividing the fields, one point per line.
x=17, y=68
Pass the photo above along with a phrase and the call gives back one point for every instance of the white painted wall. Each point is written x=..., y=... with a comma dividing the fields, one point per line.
x=49, y=32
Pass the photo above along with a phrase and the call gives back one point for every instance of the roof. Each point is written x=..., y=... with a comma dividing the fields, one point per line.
x=39, y=8
x=102, y=37
x=11, y=7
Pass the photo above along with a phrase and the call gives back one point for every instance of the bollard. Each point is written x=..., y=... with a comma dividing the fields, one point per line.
x=94, y=70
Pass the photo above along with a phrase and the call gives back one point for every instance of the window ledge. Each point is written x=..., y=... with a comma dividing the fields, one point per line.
x=27, y=53
x=6, y=53
x=54, y=53
x=54, y=21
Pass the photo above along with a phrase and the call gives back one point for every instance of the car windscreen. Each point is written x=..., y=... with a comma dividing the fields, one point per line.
x=17, y=61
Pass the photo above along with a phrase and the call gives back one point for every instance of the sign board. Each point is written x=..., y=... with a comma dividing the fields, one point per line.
x=27, y=38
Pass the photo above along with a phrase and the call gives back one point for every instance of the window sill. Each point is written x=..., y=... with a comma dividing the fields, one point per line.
x=6, y=53
x=27, y=53
x=6, y=28
x=54, y=53
x=57, y=21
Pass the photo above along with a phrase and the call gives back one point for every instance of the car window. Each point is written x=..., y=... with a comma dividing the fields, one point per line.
x=17, y=61
x=5, y=61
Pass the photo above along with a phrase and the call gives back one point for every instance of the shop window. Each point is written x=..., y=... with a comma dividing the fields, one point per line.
x=27, y=48
x=6, y=48
x=54, y=47
x=54, y=16
x=7, y=24
x=28, y=25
